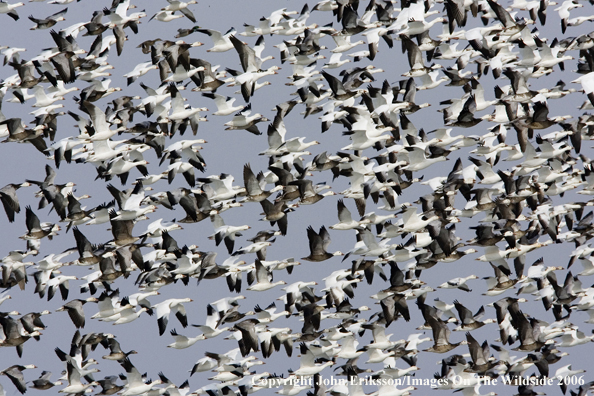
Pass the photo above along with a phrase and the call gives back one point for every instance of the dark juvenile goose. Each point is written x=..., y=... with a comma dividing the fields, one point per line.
x=15, y=374
x=254, y=191
x=308, y=193
x=318, y=243
x=276, y=213
x=479, y=353
x=36, y=230
x=9, y=199
x=121, y=230
x=46, y=23
x=116, y=352
x=528, y=342
x=441, y=336
x=394, y=305
x=249, y=338
x=43, y=382
x=197, y=207
x=470, y=321
x=338, y=90
x=17, y=132
x=108, y=385
x=13, y=332
x=75, y=311
x=511, y=26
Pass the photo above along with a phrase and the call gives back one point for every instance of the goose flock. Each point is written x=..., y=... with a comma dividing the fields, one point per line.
x=269, y=200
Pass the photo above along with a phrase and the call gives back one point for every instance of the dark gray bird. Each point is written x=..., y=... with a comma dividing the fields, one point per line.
x=249, y=338
x=50, y=21
x=15, y=374
x=9, y=199
x=75, y=310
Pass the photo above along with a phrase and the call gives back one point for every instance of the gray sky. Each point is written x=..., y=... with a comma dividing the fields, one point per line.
x=227, y=152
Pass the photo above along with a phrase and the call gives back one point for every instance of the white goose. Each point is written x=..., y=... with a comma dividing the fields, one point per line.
x=263, y=278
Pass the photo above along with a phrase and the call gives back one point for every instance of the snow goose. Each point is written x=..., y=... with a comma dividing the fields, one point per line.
x=121, y=167
x=131, y=209
x=166, y=16
x=10, y=9
x=75, y=386
x=139, y=70
x=572, y=338
x=563, y=11
x=224, y=232
x=308, y=366
x=224, y=104
x=135, y=383
x=263, y=28
x=127, y=315
x=257, y=247
x=587, y=82
x=458, y=283
x=210, y=328
x=99, y=121
x=348, y=348
x=264, y=278
x=335, y=61
x=268, y=315
x=412, y=222
x=430, y=80
x=345, y=219
x=178, y=109
x=182, y=341
x=221, y=42
x=182, y=7
x=109, y=305
x=164, y=308
x=243, y=120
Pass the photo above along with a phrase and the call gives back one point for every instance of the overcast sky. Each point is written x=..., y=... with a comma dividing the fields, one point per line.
x=227, y=152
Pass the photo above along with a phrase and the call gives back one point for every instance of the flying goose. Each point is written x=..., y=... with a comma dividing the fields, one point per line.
x=469, y=321
x=43, y=382
x=338, y=90
x=36, y=229
x=221, y=42
x=75, y=310
x=15, y=374
x=10, y=200
x=346, y=221
x=318, y=243
x=164, y=308
x=224, y=232
x=243, y=120
x=264, y=278
x=441, y=335
x=135, y=382
x=224, y=104
x=249, y=338
x=50, y=21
